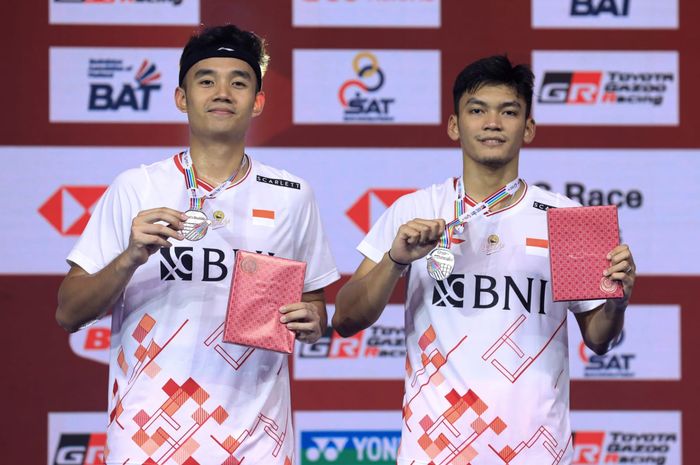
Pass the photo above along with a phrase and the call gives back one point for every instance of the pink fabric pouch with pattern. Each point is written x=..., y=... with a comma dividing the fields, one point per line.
x=579, y=240
x=261, y=284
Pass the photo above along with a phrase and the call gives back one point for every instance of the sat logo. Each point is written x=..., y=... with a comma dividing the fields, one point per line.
x=92, y=342
x=613, y=364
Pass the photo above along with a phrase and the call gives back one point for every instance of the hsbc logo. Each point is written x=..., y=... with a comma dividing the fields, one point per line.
x=578, y=87
x=367, y=209
x=69, y=208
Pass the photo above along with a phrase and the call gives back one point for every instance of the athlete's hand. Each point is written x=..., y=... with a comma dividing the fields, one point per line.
x=303, y=319
x=415, y=239
x=150, y=231
x=622, y=268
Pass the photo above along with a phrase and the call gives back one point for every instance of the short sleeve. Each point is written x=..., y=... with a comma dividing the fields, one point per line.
x=312, y=246
x=107, y=232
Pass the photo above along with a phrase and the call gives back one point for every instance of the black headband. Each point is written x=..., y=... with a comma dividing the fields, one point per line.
x=195, y=56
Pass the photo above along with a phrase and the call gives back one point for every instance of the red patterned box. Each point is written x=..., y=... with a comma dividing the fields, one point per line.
x=262, y=284
x=579, y=241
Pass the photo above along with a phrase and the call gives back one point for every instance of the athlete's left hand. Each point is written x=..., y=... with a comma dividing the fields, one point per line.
x=622, y=268
x=302, y=318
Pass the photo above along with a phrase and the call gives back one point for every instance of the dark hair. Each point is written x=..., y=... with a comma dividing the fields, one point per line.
x=248, y=46
x=494, y=70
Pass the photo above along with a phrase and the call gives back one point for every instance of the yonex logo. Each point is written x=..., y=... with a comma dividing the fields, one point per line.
x=349, y=447
x=326, y=448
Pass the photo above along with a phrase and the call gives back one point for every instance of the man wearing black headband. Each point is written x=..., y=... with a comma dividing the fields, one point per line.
x=159, y=250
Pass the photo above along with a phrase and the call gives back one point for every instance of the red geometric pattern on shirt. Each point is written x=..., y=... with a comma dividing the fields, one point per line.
x=549, y=443
x=432, y=359
x=212, y=341
x=153, y=436
x=146, y=352
x=446, y=436
x=506, y=339
x=269, y=426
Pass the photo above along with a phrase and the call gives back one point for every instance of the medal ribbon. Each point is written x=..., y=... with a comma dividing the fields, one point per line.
x=463, y=215
x=197, y=202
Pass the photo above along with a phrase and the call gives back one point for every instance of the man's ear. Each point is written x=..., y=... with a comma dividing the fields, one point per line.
x=530, y=129
x=181, y=99
x=259, y=103
x=453, y=127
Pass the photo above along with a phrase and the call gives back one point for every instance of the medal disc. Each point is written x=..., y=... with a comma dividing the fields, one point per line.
x=441, y=262
x=196, y=225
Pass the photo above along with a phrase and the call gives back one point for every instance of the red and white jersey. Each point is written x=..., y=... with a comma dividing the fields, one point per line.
x=487, y=368
x=177, y=393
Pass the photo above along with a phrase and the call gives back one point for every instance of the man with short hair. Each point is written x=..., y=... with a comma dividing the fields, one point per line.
x=177, y=393
x=487, y=375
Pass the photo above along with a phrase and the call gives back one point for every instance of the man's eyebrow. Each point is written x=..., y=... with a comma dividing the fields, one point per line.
x=508, y=103
x=203, y=72
x=238, y=73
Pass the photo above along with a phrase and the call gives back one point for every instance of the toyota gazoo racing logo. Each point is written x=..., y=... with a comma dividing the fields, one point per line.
x=609, y=87
x=606, y=447
x=80, y=449
x=358, y=96
x=349, y=447
x=614, y=364
x=108, y=91
x=377, y=341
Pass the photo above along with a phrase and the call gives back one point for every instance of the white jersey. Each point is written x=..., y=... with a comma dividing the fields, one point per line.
x=487, y=369
x=177, y=393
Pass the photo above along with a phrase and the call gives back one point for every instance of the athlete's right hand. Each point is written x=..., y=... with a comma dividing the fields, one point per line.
x=416, y=238
x=147, y=237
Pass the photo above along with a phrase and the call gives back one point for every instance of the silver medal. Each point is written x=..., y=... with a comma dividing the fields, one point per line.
x=441, y=262
x=196, y=225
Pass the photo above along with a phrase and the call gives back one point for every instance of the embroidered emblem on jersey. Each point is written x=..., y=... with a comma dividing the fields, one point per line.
x=541, y=206
x=492, y=244
x=534, y=246
x=264, y=218
x=279, y=182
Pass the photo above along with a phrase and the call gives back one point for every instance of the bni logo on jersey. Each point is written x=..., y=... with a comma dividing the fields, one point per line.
x=111, y=91
x=359, y=95
x=349, y=447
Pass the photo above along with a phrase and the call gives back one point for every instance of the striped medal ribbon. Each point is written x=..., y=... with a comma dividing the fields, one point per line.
x=441, y=260
x=197, y=223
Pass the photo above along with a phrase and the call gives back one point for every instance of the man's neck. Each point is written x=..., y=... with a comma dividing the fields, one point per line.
x=215, y=161
x=481, y=181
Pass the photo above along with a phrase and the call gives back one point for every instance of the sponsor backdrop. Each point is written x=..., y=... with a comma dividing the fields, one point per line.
x=358, y=95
